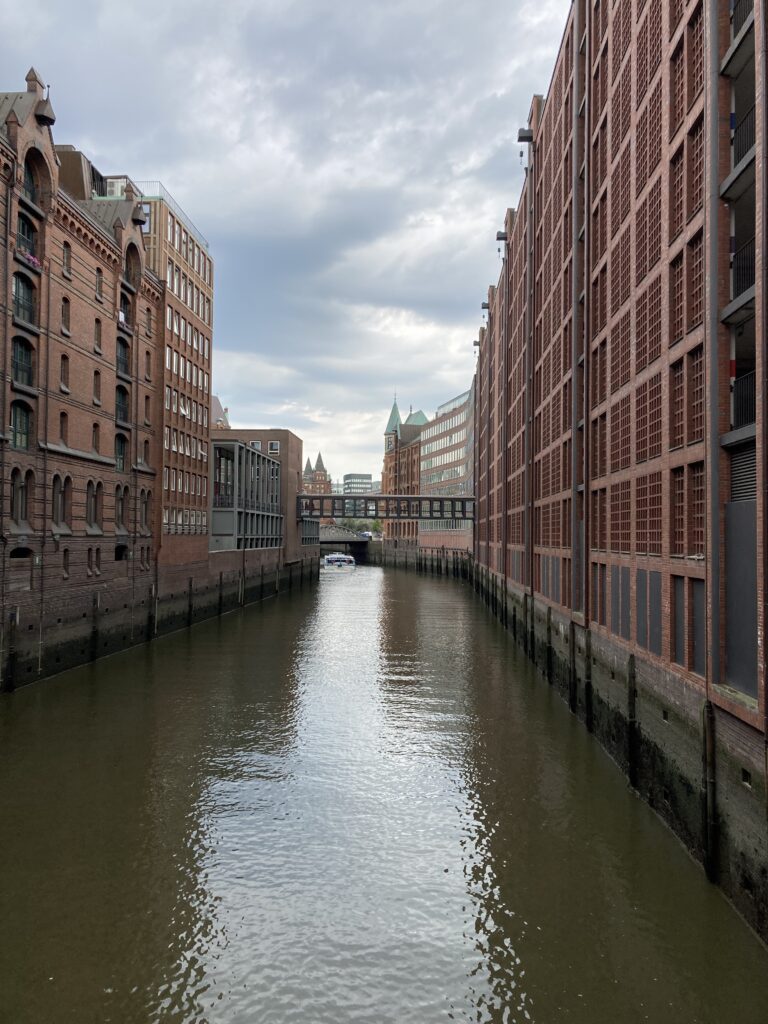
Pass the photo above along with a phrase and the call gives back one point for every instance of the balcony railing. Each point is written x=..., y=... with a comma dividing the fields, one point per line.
x=743, y=268
x=743, y=136
x=22, y=371
x=744, y=400
x=24, y=309
x=740, y=11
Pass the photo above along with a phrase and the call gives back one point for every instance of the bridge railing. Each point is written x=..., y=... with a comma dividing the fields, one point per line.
x=384, y=506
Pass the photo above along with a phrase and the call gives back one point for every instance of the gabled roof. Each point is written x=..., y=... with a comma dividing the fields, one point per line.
x=394, y=420
x=417, y=419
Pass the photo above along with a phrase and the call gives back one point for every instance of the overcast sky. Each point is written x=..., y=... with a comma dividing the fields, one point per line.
x=349, y=162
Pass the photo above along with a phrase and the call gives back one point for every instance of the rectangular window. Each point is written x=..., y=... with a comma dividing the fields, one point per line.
x=175, y=401
x=696, y=509
x=165, y=478
x=166, y=437
x=677, y=404
x=696, y=394
x=176, y=363
x=167, y=397
x=168, y=357
x=676, y=300
x=695, y=259
x=677, y=516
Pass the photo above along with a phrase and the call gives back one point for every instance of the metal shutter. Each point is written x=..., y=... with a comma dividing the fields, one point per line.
x=744, y=474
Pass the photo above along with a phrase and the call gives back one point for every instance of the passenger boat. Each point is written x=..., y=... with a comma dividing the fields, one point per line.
x=338, y=560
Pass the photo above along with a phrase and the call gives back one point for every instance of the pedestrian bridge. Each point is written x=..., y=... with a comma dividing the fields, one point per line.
x=384, y=506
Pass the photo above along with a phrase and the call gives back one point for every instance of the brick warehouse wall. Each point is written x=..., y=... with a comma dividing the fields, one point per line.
x=91, y=622
x=609, y=452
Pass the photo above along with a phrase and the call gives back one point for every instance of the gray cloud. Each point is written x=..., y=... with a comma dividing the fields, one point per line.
x=349, y=163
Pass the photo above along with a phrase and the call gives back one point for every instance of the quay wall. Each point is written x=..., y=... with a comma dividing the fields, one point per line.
x=50, y=634
x=702, y=770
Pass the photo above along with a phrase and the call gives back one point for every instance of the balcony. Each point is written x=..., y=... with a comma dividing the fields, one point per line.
x=743, y=267
x=24, y=309
x=743, y=400
x=742, y=305
x=742, y=46
x=742, y=175
x=21, y=370
x=743, y=137
x=740, y=12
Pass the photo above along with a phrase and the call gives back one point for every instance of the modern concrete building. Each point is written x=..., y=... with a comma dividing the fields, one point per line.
x=447, y=469
x=618, y=420
x=357, y=483
x=283, y=450
x=247, y=511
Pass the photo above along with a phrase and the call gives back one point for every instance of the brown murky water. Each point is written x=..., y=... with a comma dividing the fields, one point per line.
x=356, y=804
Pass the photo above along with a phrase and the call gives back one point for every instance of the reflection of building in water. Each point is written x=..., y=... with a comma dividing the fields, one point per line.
x=120, y=913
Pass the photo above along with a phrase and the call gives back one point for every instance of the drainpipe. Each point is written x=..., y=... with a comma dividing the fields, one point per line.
x=4, y=406
x=578, y=321
x=46, y=396
x=764, y=355
x=713, y=325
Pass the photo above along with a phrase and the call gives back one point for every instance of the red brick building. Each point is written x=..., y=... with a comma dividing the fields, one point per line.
x=619, y=492
x=401, y=471
x=81, y=322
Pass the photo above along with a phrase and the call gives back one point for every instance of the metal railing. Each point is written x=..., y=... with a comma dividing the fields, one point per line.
x=24, y=309
x=744, y=400
x=743, y=136
x=740, y=11
x=743, y=265
x=22, y=370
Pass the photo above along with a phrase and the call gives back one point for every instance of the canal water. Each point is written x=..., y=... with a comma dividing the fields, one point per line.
x=353, y=805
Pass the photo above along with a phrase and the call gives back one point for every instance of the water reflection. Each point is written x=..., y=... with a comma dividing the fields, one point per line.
x=353, y=805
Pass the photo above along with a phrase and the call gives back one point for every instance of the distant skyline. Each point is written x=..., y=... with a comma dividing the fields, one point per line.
x=349, y=163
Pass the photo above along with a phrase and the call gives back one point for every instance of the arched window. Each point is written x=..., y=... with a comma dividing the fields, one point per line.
x=57, y=501
x=18, y=497
x=122, y=413
x=97, y=386
x=90, y=503
x=121, y=450
x=132, y=272
x=97, y=334
x=26, y=237
x=63, y=428
x=99, y=283
x=21, y=425
x=146, y=497
x=124, y=316
x=120, y=503
x=64, y=373
x=95, y=437
x=66, y=259
x=21, y=363
x=99, y=504
x=148, y=365
x=65, y=315
x=30, y=182
x=67, y=504
x=123, y=357
x=24, y=307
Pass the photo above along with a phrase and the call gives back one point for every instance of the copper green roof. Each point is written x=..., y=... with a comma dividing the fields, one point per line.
x=394, y=420
x=417, y=419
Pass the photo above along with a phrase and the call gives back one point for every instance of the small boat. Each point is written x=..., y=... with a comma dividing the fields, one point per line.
x=338, y=560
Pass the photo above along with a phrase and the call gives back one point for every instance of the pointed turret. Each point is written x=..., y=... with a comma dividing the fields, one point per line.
x=394, y=420
x=319, y=467
x=308, y=468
